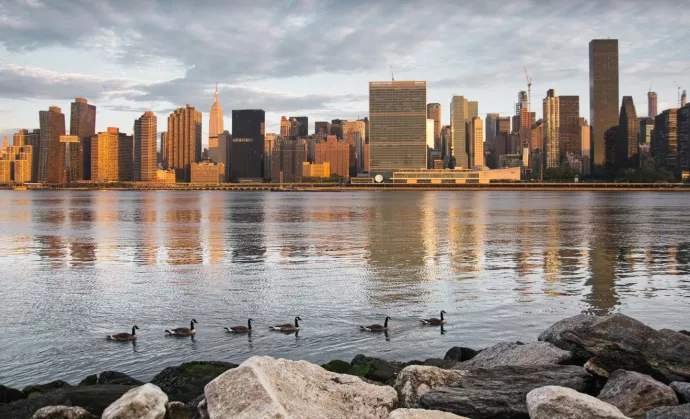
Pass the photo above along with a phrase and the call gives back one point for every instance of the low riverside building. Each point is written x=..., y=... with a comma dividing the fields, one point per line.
x=321, y=170
x=477, y=175
x=165, y=176
x=207, y=172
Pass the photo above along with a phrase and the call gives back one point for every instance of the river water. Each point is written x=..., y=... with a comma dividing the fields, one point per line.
x=78, y=265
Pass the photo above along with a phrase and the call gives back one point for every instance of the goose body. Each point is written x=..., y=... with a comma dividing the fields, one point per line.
x=183, y=331
x=376, y=327
x=287, y=327
x=124, y=337
x=435, y=321
x=241, y=329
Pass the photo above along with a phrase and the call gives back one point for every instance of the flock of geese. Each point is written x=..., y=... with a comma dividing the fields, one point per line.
x=286, y=327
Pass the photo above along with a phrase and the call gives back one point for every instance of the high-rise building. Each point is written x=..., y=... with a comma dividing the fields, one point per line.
x=684, y=98
x=15, y=163
x=215, y=121
x=537, y=138
x=105, y=155
x=569, y=127
x=82, y=123
x=247, y=147
x=337, y=154
x=684, y=137
x=628, y=135
x=433, y=112
x=145, y=135
x=322, y=127
x=610, y=144
x=184, y=141
x=665, y=139
x=51, y=162
x=397, y=111
x=125, y=160
x=26, y=138
x=551, y=129
x=366, y=128
x=646, y=127
x=165, y=146
x=491, y=129
x=5, y=143
x=18, y=138
x=336, y=128
x=269, y=142
x=207, y=172
x=503, y=125
x=603, y=93
x=651, y=104
x=354, y=133
x=284, y=127
x=585, y=139
x=303, y=125
x=221, y=152
x=476, y=141
x=287, y=160
x=459, y=115
x=429, y=141
x=295, y=128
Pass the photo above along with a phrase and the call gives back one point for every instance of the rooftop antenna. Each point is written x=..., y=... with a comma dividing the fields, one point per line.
x=392, y=75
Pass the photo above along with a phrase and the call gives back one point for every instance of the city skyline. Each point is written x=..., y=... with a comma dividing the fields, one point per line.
x=114, y=69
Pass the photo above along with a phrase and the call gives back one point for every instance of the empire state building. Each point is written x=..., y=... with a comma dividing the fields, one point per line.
x=215, y=121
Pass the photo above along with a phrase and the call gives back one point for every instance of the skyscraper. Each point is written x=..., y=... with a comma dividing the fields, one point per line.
x=628, y=135
x=215, y=121
x=26, y=138
x=503, y=125
x=82, y=123
x=397, y=127
x=459, y=114
x=433, y=111
x=354, y=134
x=247, y=147
x=184, y=141
x=491, y=129
x=51, y=161
x=221, y=152
x=322, y=127
x=569, y=127
x=665, y=139
x=145, y=135
x=684, y=137
x=335, y=152
x=603, y=93
x=284, y=127
x=651, y=104
x=551, y=129
x=105, y=156
x=303, y=130
x=476, y=143
x=646, y=127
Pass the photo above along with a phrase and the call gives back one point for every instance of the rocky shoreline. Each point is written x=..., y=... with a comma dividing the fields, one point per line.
x=581, y=367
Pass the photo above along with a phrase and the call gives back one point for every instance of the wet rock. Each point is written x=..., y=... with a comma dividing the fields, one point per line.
x=460, y=354
x=634, y=393
x=193, y=407
x=440, y=363
x=185, y=382
x=422, y=414
x=92, y=398
x=536, y=353
x=673, y=412
x=685, y=332
x=665, y=351
x=553, y=402
x=614, y=357
x=553, y=336
x=375, y=369
x=267, y=387
x=144, y=402
x=62, y=412
x=176, y=410
x=37, y=390
x=415, y=381
x=9, y=394
x=114, y=377
x=682, y=391
x=500, y=392
x=90, y=380
x=341, y=367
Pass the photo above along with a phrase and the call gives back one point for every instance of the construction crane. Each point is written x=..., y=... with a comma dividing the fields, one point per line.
x=678, y=87
x=529, y=90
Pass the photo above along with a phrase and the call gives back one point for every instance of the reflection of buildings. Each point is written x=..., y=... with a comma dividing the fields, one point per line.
x=602, y=260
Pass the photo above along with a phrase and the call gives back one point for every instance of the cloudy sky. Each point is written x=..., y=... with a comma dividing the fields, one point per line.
x=315, y=58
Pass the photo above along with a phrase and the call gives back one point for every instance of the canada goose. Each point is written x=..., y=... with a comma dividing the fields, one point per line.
x=287, y=327
x=241, y=329
x=125, y=336
x=435, y=321
x=376, y=327
x=183, y=331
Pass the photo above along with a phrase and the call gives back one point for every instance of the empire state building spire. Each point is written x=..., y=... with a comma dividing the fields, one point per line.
x=215, y=121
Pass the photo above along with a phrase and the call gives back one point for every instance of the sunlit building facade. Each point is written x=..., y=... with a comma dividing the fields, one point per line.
x=145, y=135
x=184, y=141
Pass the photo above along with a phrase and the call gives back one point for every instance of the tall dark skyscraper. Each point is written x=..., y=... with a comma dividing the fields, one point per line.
x=51, y=163
x=628, y=134
x=322, y=127
x=303, y=125
x=82, y=123
x=569, y=126
x=247, y=146
x=603, y=93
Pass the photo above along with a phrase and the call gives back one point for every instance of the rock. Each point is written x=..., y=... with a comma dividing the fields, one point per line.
x=553, y=336
x=682, y=391
x=90, y=380
x=460, y=354
x=62, y=412
x=185, y=382
x=422, y=414
x=193, y=407
x=553, y=402
x=9, y=394
x=375, y=369
x=536, y=353
x=92, y=398
x=177, y=410
x=440, y=363
x=685, y=332
x=415, y=381
x=144, y=402
x=634, y=393
x=665, y=351
x=614, y=357
x=263, y=387
x=673, y=412
x=341, y=367
x=114, y=377
x=499, y=392
x=37, y=390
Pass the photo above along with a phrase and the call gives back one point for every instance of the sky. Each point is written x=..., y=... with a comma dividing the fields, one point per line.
x=315, y=58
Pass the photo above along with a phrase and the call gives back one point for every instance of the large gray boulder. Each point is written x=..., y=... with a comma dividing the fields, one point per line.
x=553, y=402
x=664, y=354
x=416, y=380
x=682, y=391
x=62, y=412
x=536, y=353
x=673, y=412
x=186, y=381
x=145, y=402
x=422, y=414
x=634, y=393
x=553, y=335
x=264, y=387
x=500, y=392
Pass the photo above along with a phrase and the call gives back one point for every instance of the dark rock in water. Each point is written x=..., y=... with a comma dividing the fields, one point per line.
x=673, y=412
x=682, y=391
x=375, y=369
x=500, y=392
x=553, y=336
x=37, y=390
x=193, y=407
x=535, y=353
x=114, y=377
x=90, y=380
x=341, y=367
x=460, y=354
x=666, y=351
x=614, y=357
x=440, y=363
x=92, y=398
x=62, y=412
x=634, y=393
x=685, y=332
x=185, y=382
x=176, y=410
x=9, y=394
